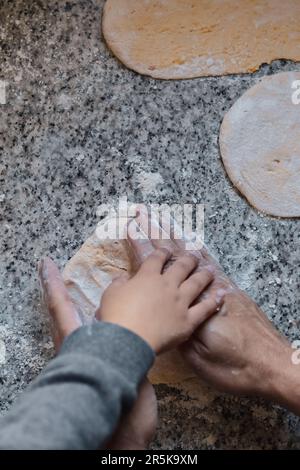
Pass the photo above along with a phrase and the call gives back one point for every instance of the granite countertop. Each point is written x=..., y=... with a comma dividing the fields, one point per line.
x=79, y=129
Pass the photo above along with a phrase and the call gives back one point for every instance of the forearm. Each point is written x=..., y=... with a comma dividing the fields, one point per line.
x=277, y=377
x=285, y=381
x=78, y=399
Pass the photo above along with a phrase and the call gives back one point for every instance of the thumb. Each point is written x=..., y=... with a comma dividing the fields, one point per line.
x=58, y=302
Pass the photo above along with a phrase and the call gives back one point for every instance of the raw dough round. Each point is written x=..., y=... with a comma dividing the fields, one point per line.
x=174, y=39
x=260, y=145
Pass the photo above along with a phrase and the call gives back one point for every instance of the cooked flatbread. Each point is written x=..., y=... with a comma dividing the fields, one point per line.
x=176, y=39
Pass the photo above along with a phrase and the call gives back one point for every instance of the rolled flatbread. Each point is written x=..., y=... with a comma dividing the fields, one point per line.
x=260, y=145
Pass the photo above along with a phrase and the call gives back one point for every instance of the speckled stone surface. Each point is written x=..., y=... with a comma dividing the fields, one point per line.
x=79, y=129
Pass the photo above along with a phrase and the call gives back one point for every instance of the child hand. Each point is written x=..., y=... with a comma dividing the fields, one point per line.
x=137, y=428
x=157, y=304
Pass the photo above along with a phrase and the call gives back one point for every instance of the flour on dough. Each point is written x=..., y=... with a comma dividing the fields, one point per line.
x=260, y=145
x=87, y=275
x=176, y=39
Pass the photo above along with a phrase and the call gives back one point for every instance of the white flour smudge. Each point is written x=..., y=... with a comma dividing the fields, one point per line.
x=148, y=182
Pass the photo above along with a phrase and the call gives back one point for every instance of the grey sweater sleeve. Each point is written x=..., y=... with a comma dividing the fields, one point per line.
x=76, y=402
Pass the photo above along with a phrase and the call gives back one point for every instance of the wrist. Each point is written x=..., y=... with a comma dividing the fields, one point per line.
x=284, y=380
x=138, y=329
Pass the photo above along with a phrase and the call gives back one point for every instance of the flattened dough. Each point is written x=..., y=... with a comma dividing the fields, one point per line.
x=87, y=275
x=260, y=145
x=176, y=39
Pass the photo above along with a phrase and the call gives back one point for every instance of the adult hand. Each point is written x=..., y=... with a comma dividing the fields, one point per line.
x=237, y=350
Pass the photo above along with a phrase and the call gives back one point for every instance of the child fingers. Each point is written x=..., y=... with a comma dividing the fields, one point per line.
x=201, y=312
x=195, y=285
x=118, y=281
x=181, y=269
x=156, y=261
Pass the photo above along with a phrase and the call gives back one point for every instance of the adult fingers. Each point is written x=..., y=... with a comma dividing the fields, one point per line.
x=145, y=234
x=58, y=302
x=178, y=240
x=139, y=239
x=142, y=232
x=156, y=261
x=162, y=227
x=160, y=236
